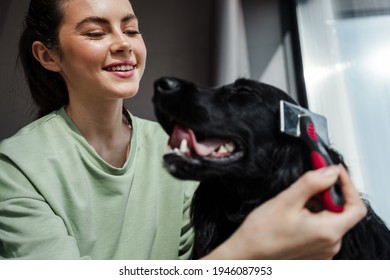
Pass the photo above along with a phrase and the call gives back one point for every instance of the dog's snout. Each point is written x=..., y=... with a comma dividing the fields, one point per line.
x=167, y=85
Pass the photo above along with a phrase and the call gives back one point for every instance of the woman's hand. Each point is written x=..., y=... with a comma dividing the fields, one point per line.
x=283, y=228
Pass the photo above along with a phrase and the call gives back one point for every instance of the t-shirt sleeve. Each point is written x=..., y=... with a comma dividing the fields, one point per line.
x=29, y=229
x=187, y=233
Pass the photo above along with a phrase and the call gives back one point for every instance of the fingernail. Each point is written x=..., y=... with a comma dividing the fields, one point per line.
x=331, y=171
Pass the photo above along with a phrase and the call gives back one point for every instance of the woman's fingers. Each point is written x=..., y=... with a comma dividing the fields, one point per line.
x=311, y=184
x=354, y=208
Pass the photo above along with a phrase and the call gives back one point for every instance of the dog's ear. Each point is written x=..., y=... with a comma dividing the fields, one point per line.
x=283, y=161
x=290, y=159
x=336, y=157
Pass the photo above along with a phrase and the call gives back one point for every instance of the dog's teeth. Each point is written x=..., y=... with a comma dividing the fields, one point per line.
x=176, y=150
x=230, y=147
x=184, y=146
x=222, y=150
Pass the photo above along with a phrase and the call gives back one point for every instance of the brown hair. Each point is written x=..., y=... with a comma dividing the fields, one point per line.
x=42, y=23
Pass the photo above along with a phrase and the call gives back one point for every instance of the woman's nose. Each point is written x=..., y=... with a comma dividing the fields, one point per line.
x=121, y=44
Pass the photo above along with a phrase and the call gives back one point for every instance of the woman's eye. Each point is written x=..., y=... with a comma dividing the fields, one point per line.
x=95, y=35
x=132, y=32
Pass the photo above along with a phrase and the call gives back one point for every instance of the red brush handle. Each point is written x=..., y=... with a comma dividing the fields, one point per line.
x=332, y=198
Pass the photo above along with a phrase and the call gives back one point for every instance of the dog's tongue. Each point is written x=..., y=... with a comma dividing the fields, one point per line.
x=201, y=148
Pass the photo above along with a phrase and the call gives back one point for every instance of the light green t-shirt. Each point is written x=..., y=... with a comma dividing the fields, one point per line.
x=60, y=200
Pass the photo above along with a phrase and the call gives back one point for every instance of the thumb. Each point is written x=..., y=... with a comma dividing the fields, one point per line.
x=310, y=184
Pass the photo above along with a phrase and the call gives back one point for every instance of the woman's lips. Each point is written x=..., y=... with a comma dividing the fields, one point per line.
x=121, y=70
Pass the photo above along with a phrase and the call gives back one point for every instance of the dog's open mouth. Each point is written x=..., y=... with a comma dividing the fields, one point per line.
x=184, y=142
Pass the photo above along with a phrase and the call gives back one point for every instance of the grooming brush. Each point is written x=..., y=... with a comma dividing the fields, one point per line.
x=312, y=129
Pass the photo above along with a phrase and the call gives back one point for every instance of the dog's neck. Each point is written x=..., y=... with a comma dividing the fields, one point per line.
x=240, y=189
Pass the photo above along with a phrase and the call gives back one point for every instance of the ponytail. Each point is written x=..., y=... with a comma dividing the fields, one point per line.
x=47, y=88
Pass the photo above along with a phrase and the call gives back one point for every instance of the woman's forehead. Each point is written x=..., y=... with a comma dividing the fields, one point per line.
x=75, y=11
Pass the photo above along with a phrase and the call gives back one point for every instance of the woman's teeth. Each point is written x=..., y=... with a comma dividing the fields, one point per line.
x=120, y=68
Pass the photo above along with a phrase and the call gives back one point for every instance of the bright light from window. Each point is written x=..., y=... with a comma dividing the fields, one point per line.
x=379, y=62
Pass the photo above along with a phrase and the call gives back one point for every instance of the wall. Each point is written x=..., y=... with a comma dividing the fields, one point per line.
x=14, y=102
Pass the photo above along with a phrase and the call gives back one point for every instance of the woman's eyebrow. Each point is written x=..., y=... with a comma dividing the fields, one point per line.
x=103, y=21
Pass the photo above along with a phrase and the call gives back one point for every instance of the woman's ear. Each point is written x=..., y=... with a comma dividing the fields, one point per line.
x=47, y=58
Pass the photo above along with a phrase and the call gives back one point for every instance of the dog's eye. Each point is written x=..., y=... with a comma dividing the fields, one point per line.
x=243, y=90
x=241, y=95
x=238, y=95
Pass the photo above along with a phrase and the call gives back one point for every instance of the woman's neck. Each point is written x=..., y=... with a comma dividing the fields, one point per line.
x=105, y=128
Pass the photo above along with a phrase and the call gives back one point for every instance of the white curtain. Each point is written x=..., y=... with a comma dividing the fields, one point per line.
x=232, y=50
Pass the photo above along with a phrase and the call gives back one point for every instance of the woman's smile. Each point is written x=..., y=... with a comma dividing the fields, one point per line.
x=122, y=70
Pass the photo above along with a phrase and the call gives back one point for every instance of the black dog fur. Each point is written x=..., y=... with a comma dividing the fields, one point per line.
x=263, y=163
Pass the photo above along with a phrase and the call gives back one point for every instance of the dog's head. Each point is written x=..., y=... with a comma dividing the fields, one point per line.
x=227, y=130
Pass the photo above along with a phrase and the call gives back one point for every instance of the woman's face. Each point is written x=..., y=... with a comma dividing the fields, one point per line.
x=102, y=55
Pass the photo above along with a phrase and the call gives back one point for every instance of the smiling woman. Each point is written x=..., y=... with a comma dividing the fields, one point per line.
x=85, y=180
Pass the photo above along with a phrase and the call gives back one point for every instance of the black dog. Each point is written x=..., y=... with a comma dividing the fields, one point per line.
x=228, y=139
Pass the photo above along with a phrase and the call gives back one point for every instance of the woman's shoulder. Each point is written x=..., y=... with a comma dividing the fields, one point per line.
x=148, y=125
x=149, y=130
x=37, y=135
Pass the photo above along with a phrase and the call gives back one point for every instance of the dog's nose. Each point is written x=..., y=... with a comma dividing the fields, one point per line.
x=167, y=85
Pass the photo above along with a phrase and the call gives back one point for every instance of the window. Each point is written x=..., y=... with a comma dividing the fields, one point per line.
x=345, y=47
